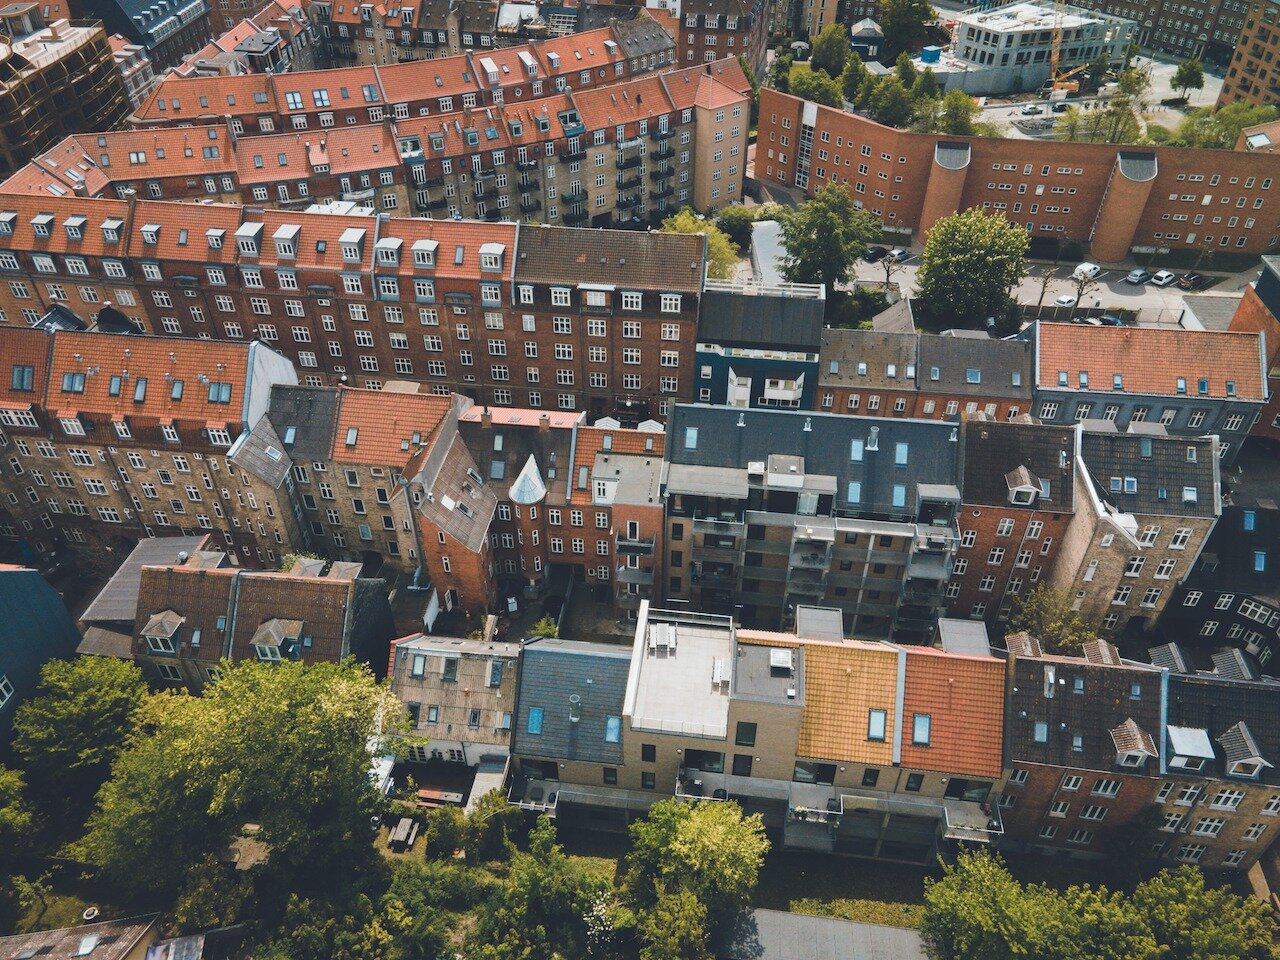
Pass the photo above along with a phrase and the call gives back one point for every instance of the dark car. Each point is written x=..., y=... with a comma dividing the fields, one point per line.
x=1111, y=320
x=1191, y=281
x=1060, y=106
x=875, y=254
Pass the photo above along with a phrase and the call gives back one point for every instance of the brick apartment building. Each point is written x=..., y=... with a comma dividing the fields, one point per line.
x=59, y=77
x=1018, y=499
x=1113, y=198
x=113, y=438
x=168, y=30
x=883, y=373
x=194, y=614
x=1253, y=75
x=1188, y=382
x=279, y=38
x=1145, y=505
x=768, y=510
x=1259, y=312
x=711, y=29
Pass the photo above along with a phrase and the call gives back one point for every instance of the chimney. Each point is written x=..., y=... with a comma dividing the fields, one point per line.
x=486, y=418
x=544, y=423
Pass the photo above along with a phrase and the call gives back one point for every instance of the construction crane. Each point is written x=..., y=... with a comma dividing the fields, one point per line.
x=1060, y=81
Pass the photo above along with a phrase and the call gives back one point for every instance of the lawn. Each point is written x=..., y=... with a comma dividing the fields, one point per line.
x=830, y=886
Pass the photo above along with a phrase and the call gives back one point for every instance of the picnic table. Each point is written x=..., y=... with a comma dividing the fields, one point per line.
x=404, y=833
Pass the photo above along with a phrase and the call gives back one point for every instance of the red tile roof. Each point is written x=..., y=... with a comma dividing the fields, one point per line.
x=640, y=99
x=590, y=442
x=91, y=242
x=345, y=149
x=415, y=79
x=184, y=230
x=964, y=698
x=161, y=361
x=1151, y=359
x=579, y=51
x=185, y=98
x=384, y=422
x=25, y=347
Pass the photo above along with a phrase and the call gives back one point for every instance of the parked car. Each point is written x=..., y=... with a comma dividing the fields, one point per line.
x=1111, y=320
x=898, y=254
x=1163, y=278
x=1191, y=281
x=1138, y=277
x=875, y=254
x=1086, y=270
x=1088, y=321
x=1030, y=110
x=1060, y=106
x=1066, y=300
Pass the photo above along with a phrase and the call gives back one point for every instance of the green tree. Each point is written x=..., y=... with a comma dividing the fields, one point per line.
x=675, y=928
x=831, y=50
x=491, y=826
x=1188, y=76
x=905, y=25
x=735, y=221
x=1220, y=128
x=780, y=73
x=891, y=104
x=15, y=838
x=925, y=114
x=208, y=898
x=958, y=113
x=970, y=263
x=546, y=626
x=711, y=850
x=1046, y=614
x=816, y=86
x=540, y=912
x=855, y=72
x=825, y=236
x=1192, y=921
x=755, y=88
x=69, y=734
x=905, y=70
x=722, y=254
x=1096, y=72
x=925, y=85
x=446, y=831
x=284, y=745
x=1069, y=125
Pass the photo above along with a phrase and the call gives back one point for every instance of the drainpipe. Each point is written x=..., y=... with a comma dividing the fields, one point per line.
x=415, y=585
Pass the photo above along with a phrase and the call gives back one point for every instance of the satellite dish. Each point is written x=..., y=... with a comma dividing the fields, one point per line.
x=90, y=915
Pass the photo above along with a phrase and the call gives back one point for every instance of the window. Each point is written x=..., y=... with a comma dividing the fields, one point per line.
x=745, y=734
x=921, y=724
x=877, y=724
x=534, y=724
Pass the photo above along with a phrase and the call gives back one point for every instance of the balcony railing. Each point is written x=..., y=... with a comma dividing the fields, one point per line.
x=626, y=203
x=526, y=164
x=717, y=554
x=575, y=217
x=439, y=203
x=703, y=785
x=529, y=206
x=974, y=822
x=630, y=183
x=660, y=135
x=666, y=153
x=573, y=156
x=640, y=575
x=662, y=194
x=540, y=796
x=575, y=198
x=723, y=524
x=634, y=546
x=811, y=556
x=627, y=163
x=529, y=183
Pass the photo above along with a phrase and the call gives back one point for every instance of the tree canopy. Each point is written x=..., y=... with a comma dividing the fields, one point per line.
x=711, y=850
x=1046, y=614
x=71, y=731
x=1188, y=76
x=816, y=86
x=722, y=253
x=978, y=911
x=971, y=261
x=831, y=50
x=735, y=221
x=825, y=236
x=283, y=745
x=904, y=24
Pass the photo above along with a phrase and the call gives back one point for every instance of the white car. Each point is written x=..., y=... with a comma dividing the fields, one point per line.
x=1163, y=278
x=1066, y=300
x=898, y=254
x=1087, y=270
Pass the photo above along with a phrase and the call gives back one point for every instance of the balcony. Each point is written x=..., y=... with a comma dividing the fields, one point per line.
x=488, y=173
x=974, y=822
x=662, y=194
x=626, y=203
x=811, y=556
x=629, y=163
x=439, y=203
x=661, y=136
x=810, y=582
x=494, y=215
x=432, y=182
x=631, y=182
x=659, y=175
x=540, y=796
x=666, y=153
x=640, y=575
x=526, y=164
x=715, y=554
x=574, y=198
x=721, y=525
x=573, y=156
x=530, y=206
x=634, y=546
x=576, y=217
x=705, y=785
x=529, y=183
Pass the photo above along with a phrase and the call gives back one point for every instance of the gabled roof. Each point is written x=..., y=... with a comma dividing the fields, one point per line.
x=644, y=261
x=964, y=698
x=1160, y=468
x=1000, y=456
x=305, y=419
x=1151, y=359
x=978, y=367
x=118, y=600
x=378, y=426
x=1169, y=656
x=551, y=671
x=163, y=624
x=1239, y=745
x=868, y=358
x=25, y=347
x=1131, y=738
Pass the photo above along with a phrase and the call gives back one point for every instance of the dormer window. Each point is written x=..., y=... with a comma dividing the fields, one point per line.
x=74, y=227
x=1241, y=754
x=151, y=233
x=973, y=375
x=491, y=256
x=286, y=240
x=247, y=238
x=42, y=224
x=7, y=220
x=1129, y=759
x=215, y=238
x=424, y=253
x=1190, y=748
x=111, y=229
x=388, y=251
x=352, y=244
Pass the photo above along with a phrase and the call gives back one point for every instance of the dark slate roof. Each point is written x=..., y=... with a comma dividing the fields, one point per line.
x=261, y=452
x=1004, y=366
x=762, y=321
x=825, y=442
x=477, y=16
x=637, y=32
x=1158, y=464
x=843, y=350
x=434, y=14
x=117, y=602
x=1227, y=563
x=781, y=935
x=1104, y=706
x=1238, y=744
x=1205, y=702
x=1233, y=663
x=41, y=632
x=551, y=671
x=1169, y=656
x=995, y=448
x=951, y=156
x=312, y=412
x=550, y=449
x=638, y=261
x=1137, y=166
